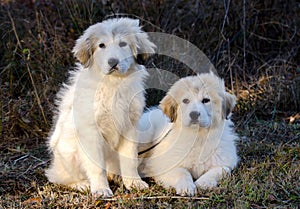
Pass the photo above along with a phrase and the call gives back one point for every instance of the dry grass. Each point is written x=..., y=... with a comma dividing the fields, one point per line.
x=268, y=176
x=254, y=46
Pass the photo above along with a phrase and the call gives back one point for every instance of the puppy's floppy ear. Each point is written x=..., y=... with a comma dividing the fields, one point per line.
x=169, y=107
x=83, y=50
x=143, y=47
x=228, y=104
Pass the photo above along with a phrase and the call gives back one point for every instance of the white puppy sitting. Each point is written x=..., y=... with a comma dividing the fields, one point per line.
x=198, y=147
x=94, y=132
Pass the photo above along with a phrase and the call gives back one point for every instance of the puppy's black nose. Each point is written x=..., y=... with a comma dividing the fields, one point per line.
x=113, y=62
x=194, y=115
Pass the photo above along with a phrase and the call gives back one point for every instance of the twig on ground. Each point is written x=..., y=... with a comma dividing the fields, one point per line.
x=21, y=158
x=36, y=95
x=155, y=197
x=41, y=163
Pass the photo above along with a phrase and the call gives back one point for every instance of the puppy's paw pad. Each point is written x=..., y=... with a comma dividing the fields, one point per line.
x=136, y=183
x=105, y=192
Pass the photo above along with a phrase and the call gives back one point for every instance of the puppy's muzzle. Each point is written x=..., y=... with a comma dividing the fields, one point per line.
x=113, y=62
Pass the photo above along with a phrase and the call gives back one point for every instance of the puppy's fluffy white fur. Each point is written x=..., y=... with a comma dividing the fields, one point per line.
x=197, y=147
x=95, y=125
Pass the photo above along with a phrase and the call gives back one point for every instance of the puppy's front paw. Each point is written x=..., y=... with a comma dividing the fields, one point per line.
x=103, y=192
x=186, y=188
x=205, y=182
x=135, y=183
x=81, y=185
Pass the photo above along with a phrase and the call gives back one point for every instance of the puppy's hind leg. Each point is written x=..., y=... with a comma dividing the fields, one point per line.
x=83, y=185
x=63, y=170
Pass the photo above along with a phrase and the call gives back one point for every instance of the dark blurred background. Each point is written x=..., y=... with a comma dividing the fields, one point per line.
x=254, y=46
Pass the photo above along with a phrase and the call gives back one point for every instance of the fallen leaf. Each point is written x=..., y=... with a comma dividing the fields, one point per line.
x=271, y=197
x=127, y=196
x=107, y=205
x=33, y=200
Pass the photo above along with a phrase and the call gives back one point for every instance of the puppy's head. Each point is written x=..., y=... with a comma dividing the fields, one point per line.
x=198, y=101
x=113, y=46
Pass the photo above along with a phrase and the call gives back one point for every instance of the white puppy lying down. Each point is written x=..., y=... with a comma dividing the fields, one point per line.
x=198, y=147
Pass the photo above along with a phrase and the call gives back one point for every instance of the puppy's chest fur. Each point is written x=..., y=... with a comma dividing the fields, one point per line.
x=200, y=150
x=119, y=103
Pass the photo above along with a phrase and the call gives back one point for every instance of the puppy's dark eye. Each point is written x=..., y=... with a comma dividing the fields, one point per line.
x=186, y=101
x=205, y=100
x=122, y=44
x=102, y=45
